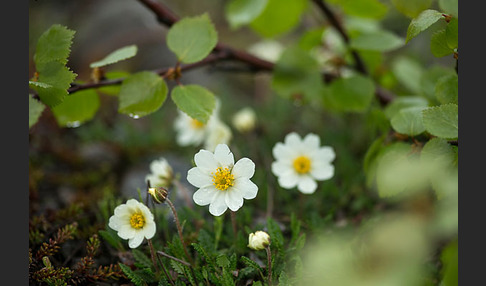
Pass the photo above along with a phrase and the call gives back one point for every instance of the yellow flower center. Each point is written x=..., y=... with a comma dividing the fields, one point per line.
x=137, y=220
x=302, y=164
x=223, y=179
x=196, y=124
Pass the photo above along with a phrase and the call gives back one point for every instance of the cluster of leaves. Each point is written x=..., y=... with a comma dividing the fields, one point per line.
x=414, y=150
x=51, y=240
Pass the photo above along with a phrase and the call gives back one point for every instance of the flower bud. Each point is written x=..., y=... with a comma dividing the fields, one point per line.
x=258, y=240
x=244, y=120
x=159, y=194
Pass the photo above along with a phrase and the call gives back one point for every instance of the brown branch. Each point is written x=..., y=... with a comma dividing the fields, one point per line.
x=360, y=66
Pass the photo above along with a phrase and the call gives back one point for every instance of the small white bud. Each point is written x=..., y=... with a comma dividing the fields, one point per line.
x=244, y=120
x=258, y=240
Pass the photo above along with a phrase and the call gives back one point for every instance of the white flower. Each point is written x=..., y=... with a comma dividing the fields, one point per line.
x=222, y=183
x=190, y=131
x=301, y=162
x=269, y=50
x=218, y=133
x=161, y=175
x=244, y=120
x=133, y=221
x=258, y=240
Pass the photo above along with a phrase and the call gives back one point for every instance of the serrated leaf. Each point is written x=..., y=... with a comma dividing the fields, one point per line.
x=283, y=279
x=77, y=108
x=429, y=80
x=423, y=21
x=35, y=110
x=408, y=121
x=142, y=93
x=276, y=236
x=242, y=12
x=402, y=102
x=59, y=77
x=450, y=7
x=278, y=17
x=380, y=41
x=54, y=45
x=297, y=73
x=192, y=38
x=408, y=72
x=252, y=264
x=177, y=266
x=452, y=33
x=222, y=261
x=438, y=44
x=141, y=258
x=442, y=121
x=411, y=8
x=194, y=100
x=447, y=89
x=35, y=84
x=116, y=56
x=136, y=279
x=351, y=94
x=438, y=149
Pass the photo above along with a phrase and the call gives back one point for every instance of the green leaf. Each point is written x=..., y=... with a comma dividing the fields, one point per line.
x=116, y=56
x=438, y=149
x=411, y=8
x=141, y=258
x=54, y=45
x=422, y=22
x=380, y=41
x=192, y=38
x=408, y=121
x=449, y=7
x=438, y=44
x=113, y=89
x=447, y=88
x=442, y=121
x=297, y=73
x=34, y=84
x=222, y=261
x=278, y=17
x=242, y=12
x=252, y=264
x=276, y=236
x=311, y=39
x=283, y=279
x=136, y=279
x=408, y=72
x=452, y=33
x=77, y=108
x=402, y=102
x=373, y=9
x=450, y=262
x=35, y=110
x=351, y=94
x=141, y=94
x=112, y=238
x=430, y=78
x=194, y=100
x=58, y=77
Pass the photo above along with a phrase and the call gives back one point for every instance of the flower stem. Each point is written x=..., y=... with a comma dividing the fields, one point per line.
x=179, y=229
x=152, y=254
x=165, y=271
x=269, y=269
x=233, y=222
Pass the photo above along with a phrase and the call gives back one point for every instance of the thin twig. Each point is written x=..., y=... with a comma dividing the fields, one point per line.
x=152, y=254
x=269, y=269
x=173, y=258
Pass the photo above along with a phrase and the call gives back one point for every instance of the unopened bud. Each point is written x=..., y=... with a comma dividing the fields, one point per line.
x=258, y=240
x=159, y=194
x=244, y=120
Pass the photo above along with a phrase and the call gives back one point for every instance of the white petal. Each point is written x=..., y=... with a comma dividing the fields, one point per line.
x=293, y=141
x=244, y=168
x=126, y=232
x=279, y=168
x=114, y=223
x=218, y=205
x=223, y=155
x=149, y=230
x=288, y=180
x=312, y=141
x=206, y=161
x=233, y=199
x=247, y=188
x=324, y=154
x=283, y=152
x=307, y=185
x=135, y=241
x=204, y=196
x=322, y=171
x=198, y=179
